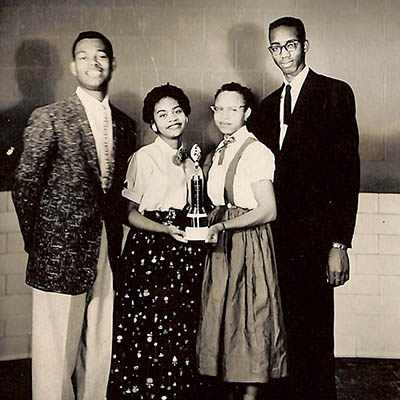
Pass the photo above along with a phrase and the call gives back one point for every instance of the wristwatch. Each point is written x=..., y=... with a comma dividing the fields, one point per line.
x=340, y=246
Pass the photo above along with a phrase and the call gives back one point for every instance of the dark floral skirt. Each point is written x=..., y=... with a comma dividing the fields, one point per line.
x=156, y=316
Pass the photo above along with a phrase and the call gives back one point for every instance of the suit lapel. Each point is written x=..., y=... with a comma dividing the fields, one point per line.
x=88, y=142
x=301, y=112
x=275, y=125
x=305, y=98
x=116, y=136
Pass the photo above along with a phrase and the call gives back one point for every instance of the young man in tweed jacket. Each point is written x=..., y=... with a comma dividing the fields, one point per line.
x=67, y=198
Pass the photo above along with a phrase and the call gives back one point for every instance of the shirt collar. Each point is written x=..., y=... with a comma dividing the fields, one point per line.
x=89, y=101
x=239, y=136
x=298, y=81
x=165, y=147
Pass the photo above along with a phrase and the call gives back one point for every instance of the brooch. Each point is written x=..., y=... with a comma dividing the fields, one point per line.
x=180, y=156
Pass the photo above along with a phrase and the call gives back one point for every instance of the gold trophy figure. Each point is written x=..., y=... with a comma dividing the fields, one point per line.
x=198, y=222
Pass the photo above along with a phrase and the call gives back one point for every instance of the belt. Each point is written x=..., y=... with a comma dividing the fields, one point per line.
x=171, y=217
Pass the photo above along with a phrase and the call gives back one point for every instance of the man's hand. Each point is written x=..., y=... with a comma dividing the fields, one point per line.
x=338, y=269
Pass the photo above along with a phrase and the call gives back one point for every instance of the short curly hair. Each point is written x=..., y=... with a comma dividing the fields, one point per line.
x=291, y=22
x=94, y=35
x=247, y=94
x=160, y=92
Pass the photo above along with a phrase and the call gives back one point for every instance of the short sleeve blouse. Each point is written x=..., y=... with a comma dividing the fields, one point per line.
x=154, y=181
x=256, y=164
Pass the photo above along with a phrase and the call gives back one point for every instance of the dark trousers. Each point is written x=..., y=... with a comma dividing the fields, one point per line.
x=307, y=301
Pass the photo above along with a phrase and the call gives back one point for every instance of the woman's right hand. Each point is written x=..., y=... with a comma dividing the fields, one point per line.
x=176, y=233
x=213, y=233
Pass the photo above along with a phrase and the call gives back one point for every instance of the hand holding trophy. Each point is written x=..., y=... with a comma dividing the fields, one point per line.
x=198, y=222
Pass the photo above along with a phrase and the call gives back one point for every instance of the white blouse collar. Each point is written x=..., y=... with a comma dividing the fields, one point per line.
x=239, y=136
x=165, y=147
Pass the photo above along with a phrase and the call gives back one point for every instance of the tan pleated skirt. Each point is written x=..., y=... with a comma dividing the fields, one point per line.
x=241, y=337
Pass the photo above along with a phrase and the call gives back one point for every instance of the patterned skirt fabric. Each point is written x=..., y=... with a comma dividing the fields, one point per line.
x=156, y=315
x=241, y=335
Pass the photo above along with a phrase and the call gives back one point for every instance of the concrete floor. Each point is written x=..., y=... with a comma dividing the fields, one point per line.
x=357, y=379
x=368, y=379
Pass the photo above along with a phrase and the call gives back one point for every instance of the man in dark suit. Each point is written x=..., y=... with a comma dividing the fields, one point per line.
x=309, y=123
x=67, y=198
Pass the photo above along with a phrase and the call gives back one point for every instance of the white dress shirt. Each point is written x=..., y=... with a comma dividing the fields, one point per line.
x=256, y=164
x=99, y=116
x=296, y=85
x=153, y=181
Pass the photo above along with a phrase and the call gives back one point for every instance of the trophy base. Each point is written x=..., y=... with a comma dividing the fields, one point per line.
x=196, y=233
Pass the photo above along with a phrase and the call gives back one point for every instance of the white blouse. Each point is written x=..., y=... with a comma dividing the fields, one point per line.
x=154, y=181
x=256, y=164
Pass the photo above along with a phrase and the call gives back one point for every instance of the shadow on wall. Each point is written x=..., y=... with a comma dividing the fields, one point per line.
x=131, y=104
x=246, y=48
x=37, y=70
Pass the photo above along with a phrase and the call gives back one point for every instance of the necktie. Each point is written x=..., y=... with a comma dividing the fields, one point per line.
x=106, y=161
x=222, y=149
x=287, y=109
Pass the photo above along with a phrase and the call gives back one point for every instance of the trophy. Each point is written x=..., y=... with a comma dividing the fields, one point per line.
x=197, y=217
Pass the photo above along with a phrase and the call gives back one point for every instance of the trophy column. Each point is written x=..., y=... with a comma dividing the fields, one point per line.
x=197, y=217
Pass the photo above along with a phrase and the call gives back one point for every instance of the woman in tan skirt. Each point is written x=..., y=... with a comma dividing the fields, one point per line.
x=241, y=337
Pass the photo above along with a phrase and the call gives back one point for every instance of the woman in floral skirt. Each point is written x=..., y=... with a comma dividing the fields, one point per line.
x=156, y=310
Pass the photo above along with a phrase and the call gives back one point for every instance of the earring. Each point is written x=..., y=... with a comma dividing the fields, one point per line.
x=154, y=127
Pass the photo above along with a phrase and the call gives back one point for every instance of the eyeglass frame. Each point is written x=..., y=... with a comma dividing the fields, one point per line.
x=220, y=110
x=296, y=42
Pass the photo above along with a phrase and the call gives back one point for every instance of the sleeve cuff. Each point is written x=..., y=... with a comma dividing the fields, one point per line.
x=133, y=196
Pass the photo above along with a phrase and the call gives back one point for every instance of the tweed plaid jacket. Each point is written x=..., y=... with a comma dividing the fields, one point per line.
x=59, y=200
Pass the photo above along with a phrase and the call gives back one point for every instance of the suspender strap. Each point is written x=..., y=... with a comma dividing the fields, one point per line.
x=230, y=174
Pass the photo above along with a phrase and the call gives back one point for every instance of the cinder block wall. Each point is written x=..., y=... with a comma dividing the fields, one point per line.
x=367, y=307
x=15, y=295
x=198, y=45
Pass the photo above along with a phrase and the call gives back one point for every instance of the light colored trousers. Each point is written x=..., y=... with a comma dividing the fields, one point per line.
x=72, y=338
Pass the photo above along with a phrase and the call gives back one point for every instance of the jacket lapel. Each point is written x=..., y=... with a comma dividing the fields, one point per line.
x=88, y=143
x=116, y=136
x=275, y=124
x=301, y=112
x=305, y=98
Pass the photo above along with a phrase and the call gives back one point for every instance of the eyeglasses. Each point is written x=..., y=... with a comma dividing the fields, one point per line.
x=221, y=110
x=289, y=46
